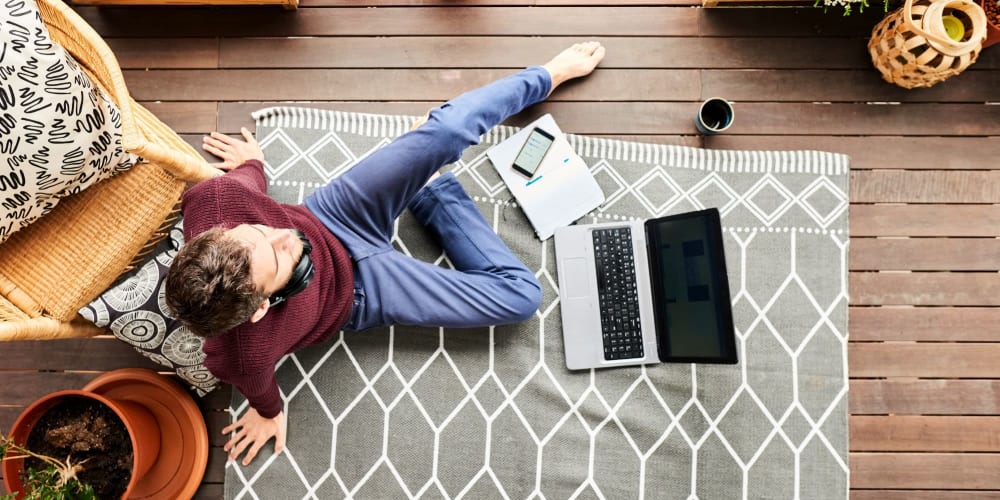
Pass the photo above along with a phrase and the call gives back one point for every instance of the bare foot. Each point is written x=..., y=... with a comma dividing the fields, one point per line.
x=574, y=62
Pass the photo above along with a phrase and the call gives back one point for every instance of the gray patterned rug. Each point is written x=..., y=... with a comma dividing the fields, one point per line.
x=493, y=413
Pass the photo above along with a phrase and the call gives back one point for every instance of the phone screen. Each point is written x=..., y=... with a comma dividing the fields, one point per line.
x=533, y=151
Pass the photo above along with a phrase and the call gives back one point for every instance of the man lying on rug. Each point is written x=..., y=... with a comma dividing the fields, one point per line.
x=262, y=279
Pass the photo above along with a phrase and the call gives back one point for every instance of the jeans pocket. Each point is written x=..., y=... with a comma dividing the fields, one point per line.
x=357, y=310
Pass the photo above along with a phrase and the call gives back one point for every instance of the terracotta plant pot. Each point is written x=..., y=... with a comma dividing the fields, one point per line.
x=992, y=27
x=155, y=410
x=183, y=457
x=139, y=422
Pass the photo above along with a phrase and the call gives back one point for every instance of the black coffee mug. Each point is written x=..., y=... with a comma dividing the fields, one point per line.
x=714, y=116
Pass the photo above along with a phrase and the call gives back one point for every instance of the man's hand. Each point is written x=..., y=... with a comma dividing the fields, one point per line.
x=254, y=430
x=233, y=152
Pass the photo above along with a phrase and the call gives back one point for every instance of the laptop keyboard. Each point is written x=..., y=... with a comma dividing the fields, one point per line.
x=619, y=302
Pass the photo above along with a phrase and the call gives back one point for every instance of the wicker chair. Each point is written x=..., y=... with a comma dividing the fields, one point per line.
x=67, y=258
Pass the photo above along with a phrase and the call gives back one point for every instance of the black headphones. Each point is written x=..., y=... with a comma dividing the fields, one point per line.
x=301, y=275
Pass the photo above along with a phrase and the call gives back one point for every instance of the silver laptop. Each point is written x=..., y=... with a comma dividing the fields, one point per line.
x=645, y=292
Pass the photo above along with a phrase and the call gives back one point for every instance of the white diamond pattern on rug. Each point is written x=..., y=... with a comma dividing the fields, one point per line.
x=713, y=192
x=613, y=184
x=407, y=412
x=768, y=200
x=281, y=151
x=658, y=191
x=824, y=201
x=330, y=156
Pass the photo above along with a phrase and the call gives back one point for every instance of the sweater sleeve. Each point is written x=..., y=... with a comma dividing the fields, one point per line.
x=251, y=175
x=232, y=358
x=261, y=391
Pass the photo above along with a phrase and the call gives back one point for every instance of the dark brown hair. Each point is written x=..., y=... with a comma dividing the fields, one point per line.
x=210, y=286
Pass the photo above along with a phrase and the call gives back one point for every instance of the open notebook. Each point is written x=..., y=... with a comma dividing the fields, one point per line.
x=562, y=190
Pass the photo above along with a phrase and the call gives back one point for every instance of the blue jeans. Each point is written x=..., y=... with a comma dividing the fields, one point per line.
x=489, y=285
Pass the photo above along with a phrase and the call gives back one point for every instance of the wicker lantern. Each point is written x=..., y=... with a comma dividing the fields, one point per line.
x=912, y=48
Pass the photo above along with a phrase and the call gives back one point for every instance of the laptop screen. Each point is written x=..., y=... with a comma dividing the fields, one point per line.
x=691, y=301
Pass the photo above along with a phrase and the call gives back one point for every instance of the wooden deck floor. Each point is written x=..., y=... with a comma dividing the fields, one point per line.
x=925, y=184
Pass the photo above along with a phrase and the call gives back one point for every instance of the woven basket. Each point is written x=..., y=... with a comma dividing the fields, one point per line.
x=52, y=268
x=911, y=48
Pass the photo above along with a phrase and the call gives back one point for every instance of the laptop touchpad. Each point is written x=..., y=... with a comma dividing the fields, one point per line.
x=576, y=278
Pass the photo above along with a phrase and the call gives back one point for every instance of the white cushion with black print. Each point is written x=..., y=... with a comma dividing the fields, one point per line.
x=59, y=133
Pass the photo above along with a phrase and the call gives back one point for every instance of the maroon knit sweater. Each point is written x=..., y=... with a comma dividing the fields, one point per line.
x=246, y=356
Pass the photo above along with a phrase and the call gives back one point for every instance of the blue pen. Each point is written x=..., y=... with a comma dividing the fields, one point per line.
x=532, y=181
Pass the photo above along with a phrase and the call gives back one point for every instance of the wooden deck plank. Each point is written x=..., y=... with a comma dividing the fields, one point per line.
x=924, y=397
x=665, y=88
x=215, y=421
x=215, y=471
x=884, y=152
x=516, y=52
x=925, y=220
x=217, y=400
x=940, y=324
x=425, y=3
x=740, y=86
x=931, y=119
x=81, y=354
x=826, y=85
x=209, y=491
x=427, y=19
x=446, y=19
x=927, y=360
x=22, y=388
x=924, y=495
x=910, y=186
x=450, y=20
x=402, y=84
x=764, y=23
x=925, y=289
x=391, y=21
x=921, y=433
x=925, y=470
x=186, y=117
x=143, y=53
x=924, y=254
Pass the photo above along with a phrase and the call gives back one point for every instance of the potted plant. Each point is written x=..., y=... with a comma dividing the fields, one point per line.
x=108, y=446
x=992, y=9
x=149, y=408
x=56, y=479
x=849, y=6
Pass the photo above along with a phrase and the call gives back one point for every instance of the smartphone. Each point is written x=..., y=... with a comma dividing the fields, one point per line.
x=530, y=157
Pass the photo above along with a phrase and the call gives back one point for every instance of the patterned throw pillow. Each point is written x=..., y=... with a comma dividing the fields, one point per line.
x=135, y=311
x=59, y=134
